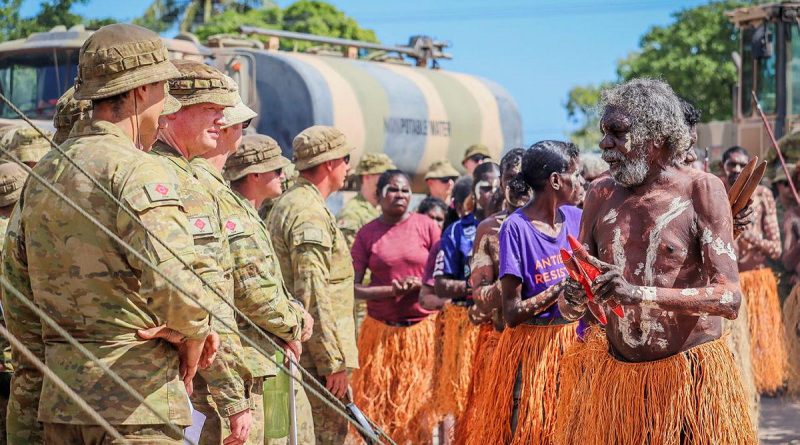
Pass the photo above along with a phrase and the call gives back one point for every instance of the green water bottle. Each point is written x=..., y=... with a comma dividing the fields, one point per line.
x=276, y=403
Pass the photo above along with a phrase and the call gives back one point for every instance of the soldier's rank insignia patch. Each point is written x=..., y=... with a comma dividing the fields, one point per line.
x=161, y=191
x=234, y=226
x=200, y=225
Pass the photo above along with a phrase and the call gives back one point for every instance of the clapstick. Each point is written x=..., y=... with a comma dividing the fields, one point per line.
x=749, y=188
x=579, y=275
x=582, y=257
x=738, y=185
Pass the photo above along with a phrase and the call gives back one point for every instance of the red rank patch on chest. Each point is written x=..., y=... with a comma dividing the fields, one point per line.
x=230, y=225
x=161, y=189
x=199, y=224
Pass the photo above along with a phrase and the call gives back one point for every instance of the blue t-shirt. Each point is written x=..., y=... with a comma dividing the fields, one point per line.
x=535, y=257
x=457, y=241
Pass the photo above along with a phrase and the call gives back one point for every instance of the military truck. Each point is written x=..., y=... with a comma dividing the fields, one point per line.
x=768, y=62
x=391, y=99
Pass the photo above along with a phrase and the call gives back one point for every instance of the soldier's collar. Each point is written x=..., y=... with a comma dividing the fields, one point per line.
x=203, y=163
x=308, y=184
x=161, y=148
x=91, y=127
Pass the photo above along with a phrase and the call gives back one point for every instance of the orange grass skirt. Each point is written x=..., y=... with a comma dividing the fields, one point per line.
x=478, y=395
x=692, y=398
x=453, y=375
x=394, y=383
x=767, y=344
x=536, y=352
x=791, y=319
x=738, y=340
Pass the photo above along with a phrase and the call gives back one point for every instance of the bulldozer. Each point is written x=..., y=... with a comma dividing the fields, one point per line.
x=768, y=63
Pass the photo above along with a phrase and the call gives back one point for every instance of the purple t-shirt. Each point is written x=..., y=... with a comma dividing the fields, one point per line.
x=535, y=257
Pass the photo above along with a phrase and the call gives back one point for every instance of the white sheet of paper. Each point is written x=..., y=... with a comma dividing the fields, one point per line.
x=193, y=432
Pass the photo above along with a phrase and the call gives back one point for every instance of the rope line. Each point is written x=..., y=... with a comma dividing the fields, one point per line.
x=323, y=394
x=15, y=342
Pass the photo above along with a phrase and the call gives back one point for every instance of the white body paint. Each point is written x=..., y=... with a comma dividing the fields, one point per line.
x=688, y=292
x=617, y=250
x=727, y=297
x=611, y=217
x=676, y=208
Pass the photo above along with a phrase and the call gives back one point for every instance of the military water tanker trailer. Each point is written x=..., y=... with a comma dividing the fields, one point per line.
x=414, y=114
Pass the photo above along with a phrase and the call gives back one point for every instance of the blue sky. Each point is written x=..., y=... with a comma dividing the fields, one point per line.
x=536, y=49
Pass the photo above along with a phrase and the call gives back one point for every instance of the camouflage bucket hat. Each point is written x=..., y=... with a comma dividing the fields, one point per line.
x=199, y=83
x=118, y=58
x=28, y=145
x=374, y=164
x=238, y=113
x=12, y=178
x=319, y=144
x=441, y=169
x=70, y=110
x=256, y=154
x=476, y=149
x=171, y=105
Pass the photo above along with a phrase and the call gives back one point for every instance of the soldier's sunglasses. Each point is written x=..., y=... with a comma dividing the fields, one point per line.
x=346, y=159
x=246, y=124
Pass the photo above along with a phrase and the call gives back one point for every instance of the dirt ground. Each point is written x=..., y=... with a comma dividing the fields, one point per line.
x=780, y=421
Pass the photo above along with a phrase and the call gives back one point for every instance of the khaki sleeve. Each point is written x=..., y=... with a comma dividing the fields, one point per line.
x=22, y=423
x=225, y=377
x=156, y=202
x=310, y=258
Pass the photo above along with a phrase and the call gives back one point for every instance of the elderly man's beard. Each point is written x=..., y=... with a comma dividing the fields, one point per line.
x=628, y=171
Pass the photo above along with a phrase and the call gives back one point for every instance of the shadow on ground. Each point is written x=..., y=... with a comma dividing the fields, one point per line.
x=780, y=421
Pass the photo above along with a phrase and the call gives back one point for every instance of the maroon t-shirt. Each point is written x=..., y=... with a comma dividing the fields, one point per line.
x=394, y=253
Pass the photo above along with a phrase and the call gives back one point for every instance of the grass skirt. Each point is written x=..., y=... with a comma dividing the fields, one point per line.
x=479, y=395
x=536, y=352
x=452, y=377
x=738, y=339
x=694, y=397
x=767, y=344
x=791, y=318
x=394, y=383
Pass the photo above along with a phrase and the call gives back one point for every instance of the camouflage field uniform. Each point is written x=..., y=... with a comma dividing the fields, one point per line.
x=12, y=177
x=260, y=154
x=259, y=291
x=223, y=389
x=318, y=270
x=94, y=288
x=357, y=212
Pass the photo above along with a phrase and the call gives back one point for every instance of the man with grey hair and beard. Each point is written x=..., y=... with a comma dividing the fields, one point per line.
x=661, y=235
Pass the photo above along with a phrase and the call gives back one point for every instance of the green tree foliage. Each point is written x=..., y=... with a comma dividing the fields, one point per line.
x=51, y=13
x=693, y=54
x=307, y=16
x=582, y=109
x=161, y=15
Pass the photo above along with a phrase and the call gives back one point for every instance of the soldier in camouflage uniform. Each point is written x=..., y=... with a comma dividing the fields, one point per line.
x=94, y=288
x=28, y=145
x=69, y=111
x=259, y=291
x=222, y=392
x=256, y=173
x=12, y=177
x=363, y=209
x=317, y=267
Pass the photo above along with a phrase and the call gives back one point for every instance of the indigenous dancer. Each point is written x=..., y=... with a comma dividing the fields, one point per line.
x=663, y=234
x=758, y=243
x=487, y=310
x=791, y=262
x=526, y=361
x=451, y=381
x=395, y=344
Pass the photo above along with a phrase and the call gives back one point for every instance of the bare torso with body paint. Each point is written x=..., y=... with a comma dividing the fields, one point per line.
x=676, y=273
